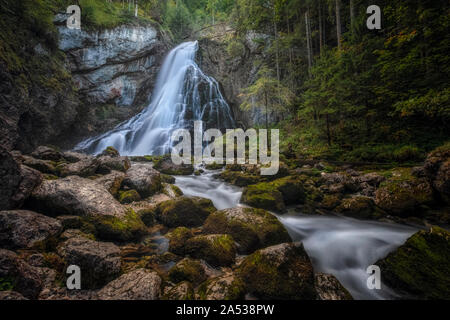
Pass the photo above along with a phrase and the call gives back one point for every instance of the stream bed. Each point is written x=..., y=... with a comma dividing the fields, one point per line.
x=341, y=246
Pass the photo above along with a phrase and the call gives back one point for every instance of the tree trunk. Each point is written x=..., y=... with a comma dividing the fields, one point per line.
x=308, y=39
x=352, y=16
x=267, y=111
x=320, y=28
x=277, y=58
x=338, y=23
x=328, y=130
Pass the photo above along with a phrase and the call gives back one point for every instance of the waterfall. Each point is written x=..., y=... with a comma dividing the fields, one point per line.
x=182, y=95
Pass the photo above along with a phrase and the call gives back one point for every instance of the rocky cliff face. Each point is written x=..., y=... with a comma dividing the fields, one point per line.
x=236, y=71
x=77, y=85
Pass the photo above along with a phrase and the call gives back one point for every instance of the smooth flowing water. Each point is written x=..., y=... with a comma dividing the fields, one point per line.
x=183, y=94
x=341, y=246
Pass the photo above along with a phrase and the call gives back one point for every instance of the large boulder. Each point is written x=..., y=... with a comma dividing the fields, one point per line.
x=47, y=153
x=30, y=179
x=85, y=167
x=10, y=176
x=329, y=288
x=225, y=287
x=357, y=207
x=283, y=272
x=181, y=291
x=165, y=165
x=75, y=196
x=144, y=179
x=250, y=228
x=216, y=249
x=264, y=196
x=44, y=166
x=17, y=275
x=178, y=238
x=421, y=266
x=99, y=261
x=112, y=181
x=184, y=211
x=437, y=168
x=187, y=270
x=140, y=284
x=403, y=194
x=108, y=163
x=21, y=229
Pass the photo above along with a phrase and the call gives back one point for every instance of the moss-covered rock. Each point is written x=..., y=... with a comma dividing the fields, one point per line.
x=357, y=207
x=250, y=228
x=403, y=193
x=437, y=169
x=328, y=287
x=181, y=291
x=216, y=249
x=148, y=216
x=240, y=179
x=110, y=151
x=330, y=201
x=291, y=189
x=214, y=166
x=264, y=196
x=226, y=287
x=283, y=271
x=178, y=238
x=129, y=196
x=144, y=179
x=127, y=228
x=165, y=165
x=171, y=190
x=188, y=270
x=165, y=178
x=184, y=211
x=421, y=266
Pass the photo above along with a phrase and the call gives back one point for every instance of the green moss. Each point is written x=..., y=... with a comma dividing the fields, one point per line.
x=264, y=196
x=184, y=211
x=148, y=216
x=217, y=250
x=233, y=291
x=214, y=166
x=111, y=151
x=111, y=228
x=329, y=202
x=6, y=283
x=129, y=196
x=357, y=207
x=178, y=238
x=421, y=266
x=268, y=278
x=256, y=228
x=239, y=179
x=187, y=270
x=167, y=178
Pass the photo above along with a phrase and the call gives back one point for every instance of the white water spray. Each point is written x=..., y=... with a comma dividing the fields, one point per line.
x=183, y=94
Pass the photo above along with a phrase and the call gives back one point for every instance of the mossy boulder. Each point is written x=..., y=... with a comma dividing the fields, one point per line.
x=328, y=287
x=127, y=228
x=291, y=189
x=264, y=196
x=214, y=166
x=165, y=165
x=283, y=272
x=148, y=216
x=111, y=152
x=216, y=249
x=226, y=287
x=129, y=196
x=171, y=190
x=240, y=179
x=330, y=201
x=251, y=228
x=421, y=266
x=437, y=169
x=181, y=291
x=112, y=181
x=188, y=270
x=357, y=207
x=184, y=211
x=165, y=178
x=144, y=179
x=178, y=238
x=403, y=193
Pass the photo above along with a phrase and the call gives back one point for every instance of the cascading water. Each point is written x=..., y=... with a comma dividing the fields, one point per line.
x=183, y=94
